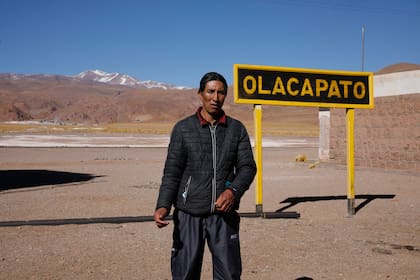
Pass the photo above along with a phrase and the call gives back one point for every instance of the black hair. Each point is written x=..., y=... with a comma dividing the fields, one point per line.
x=212, y=76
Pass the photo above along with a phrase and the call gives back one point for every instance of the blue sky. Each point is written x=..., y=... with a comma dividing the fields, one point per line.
x=178, y=41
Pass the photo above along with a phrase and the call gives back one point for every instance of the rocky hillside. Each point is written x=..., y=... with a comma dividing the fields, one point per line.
x=63, y=99
x=96, y=97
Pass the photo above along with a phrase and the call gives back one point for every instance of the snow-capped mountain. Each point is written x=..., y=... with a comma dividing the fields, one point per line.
x=110, y=78
x=123, y=79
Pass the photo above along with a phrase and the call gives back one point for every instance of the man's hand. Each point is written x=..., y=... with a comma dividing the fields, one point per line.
x=159, y=216
x=225, y=201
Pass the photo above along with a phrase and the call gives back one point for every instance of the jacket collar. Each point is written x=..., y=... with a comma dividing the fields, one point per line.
x=221, y=120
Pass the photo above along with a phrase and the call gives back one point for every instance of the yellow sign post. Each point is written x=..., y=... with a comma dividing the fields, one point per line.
x=350, y=161
x=258, y=158
x=254, y=84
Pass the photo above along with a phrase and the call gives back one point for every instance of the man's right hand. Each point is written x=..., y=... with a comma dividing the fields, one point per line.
x=159, y=216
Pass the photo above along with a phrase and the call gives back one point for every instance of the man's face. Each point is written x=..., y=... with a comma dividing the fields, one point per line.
x=213, y=98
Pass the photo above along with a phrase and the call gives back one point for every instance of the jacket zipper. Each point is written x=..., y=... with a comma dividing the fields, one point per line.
x=213, y=143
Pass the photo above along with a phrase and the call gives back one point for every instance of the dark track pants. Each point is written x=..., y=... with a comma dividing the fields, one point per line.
x=190, y=233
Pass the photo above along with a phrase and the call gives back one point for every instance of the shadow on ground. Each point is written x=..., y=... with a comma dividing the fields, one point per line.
x=19, y=179
x=135, y=219
x=16, y=179
x=366, y=197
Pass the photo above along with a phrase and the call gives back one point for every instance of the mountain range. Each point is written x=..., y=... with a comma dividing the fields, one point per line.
x=100, y=77
x=96, y=97
x=123, y=79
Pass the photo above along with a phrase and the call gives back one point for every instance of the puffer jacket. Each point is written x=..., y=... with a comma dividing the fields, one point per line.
x=203, y=161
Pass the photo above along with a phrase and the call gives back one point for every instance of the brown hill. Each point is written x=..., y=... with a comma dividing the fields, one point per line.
x=63, y=100
x=399, y=67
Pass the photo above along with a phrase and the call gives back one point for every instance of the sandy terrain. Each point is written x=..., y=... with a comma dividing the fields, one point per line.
x=382, y=241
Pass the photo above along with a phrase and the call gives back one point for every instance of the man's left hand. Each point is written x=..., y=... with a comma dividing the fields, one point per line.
x=225, y=201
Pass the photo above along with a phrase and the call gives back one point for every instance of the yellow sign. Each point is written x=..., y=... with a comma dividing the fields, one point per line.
x=302, y=87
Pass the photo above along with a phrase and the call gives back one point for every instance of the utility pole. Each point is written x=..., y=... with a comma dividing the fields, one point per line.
x=363, y=48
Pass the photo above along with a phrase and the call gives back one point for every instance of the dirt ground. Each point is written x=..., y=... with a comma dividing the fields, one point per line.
x=381, y=241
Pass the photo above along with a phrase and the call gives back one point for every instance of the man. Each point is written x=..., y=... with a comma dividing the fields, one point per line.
x=208, y=168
